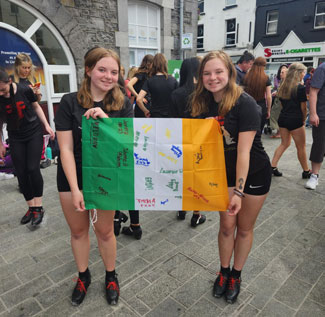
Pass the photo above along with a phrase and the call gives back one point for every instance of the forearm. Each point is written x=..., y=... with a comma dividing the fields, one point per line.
x=40, y=113
x=242, y=166
x=313, y=100
x=304, y=110
x=141, y=105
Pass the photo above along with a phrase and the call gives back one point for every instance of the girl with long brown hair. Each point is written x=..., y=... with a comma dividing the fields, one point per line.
x=292, y=95
x=258, y=85
x=98, y=97
x=247, y=165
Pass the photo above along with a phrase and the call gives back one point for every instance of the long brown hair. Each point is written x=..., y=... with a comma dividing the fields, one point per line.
x=114, y=98
x=145, y=64
x=201, y=96
x=289, y=86
x=20, y=59
x=255, y=80
x=159, y=65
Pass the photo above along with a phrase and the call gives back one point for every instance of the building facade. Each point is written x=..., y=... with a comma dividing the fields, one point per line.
x=226, y=25
x=58, y=33
x=290, y=31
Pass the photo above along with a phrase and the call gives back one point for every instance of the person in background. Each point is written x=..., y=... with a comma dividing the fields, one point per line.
x=98, y=97
x=292, y=95
x=307, y=83
x=24, y=117
x=136, y=83
x=247, y=165
x=243, y=65
x=159, y=86
x=258, y=85
x=317, y=119
x=180, y=108
x=129, y=76
x=276, y=107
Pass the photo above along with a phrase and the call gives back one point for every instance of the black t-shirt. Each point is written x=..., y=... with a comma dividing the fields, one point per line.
x=179, y=107
x=160, y=90
x=69, y=117
x=244, y=116
x=142, y=77
x=291, y=108
x=22, y=121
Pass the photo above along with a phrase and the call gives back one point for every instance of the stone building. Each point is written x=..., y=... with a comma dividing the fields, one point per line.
x=57, y=34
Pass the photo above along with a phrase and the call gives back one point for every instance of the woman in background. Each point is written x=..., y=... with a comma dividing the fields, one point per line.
x=292, y=95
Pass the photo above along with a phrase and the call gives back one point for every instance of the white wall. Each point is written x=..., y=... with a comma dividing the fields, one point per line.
x=215, y=25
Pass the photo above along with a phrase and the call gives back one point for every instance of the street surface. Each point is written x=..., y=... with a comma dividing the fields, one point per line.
x=171, y=270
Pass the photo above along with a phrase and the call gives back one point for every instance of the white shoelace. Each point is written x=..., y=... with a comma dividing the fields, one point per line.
x=93, y=218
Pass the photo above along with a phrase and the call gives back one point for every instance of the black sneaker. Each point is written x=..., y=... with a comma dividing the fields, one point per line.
x=306, y=174
x=45, y=163
x=276, y=172
x=117, y=222
x=233, y=289
x=220, y=285
x=80, y=290
x=134, y=231
x=38, y=213
x=197, y=220
x=181, y=215
x=112, y=290
x=27, y=217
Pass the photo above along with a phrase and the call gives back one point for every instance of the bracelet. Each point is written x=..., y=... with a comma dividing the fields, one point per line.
x=238, y=193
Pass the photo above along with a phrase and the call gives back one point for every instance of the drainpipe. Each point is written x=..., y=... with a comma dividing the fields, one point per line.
x=181, y=22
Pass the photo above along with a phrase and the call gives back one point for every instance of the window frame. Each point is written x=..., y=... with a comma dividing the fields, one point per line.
x=230, y=5
x=268, y=22
x=232, y=32
x=319, y=14
x=199, y=37
x=198, y=3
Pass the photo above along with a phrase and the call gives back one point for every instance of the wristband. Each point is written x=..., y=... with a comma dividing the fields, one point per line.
x=238, y=193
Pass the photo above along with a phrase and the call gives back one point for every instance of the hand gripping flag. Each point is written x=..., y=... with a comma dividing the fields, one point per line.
x=153, y=164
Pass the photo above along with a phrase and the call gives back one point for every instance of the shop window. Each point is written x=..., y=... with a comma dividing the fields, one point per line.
x=230, y=3
x=272, y=22
x=231, y=32
x=200, y=36
x=61, y=83
x=49, y=46
x=200, y=6
x=144, y=26
x=320, y=15
x=15, y=16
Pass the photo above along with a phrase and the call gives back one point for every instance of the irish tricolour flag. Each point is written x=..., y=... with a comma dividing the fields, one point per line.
x=153, y=164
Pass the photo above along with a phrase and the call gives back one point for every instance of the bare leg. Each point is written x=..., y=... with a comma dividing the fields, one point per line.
x=285, y=143
x=315, y=167
x=104, y=230
x=299, y=137
x=79, y=228
x=247, y=216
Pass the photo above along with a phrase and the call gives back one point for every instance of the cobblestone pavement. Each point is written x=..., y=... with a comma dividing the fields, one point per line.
x=171, y=270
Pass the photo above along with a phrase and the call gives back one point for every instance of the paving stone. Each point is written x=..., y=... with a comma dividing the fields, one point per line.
x=8, y=283
x=202, y=307
x=158, y=291
x=309, y=271
x=168, y=308
x=249, y=311
x=317, y=224
x=311, y=308
x=189, y=292
x=138, y=306
x=154, y=275
x=317, y=252
x=122, y=311
x=261, y=233
x=61, y=307
x=157, y=251
x=276, y=309
x=130, y=268
x=2, y=309
x=280, y=268
x=206, y=237
x=16, y=266
x=188, y=248
x=62, y=272
x=292, y=292
x=268, y=250
x=28, y=308
x=252, y=268
x=131, y=289
x=179, y=237
x=268, y=286
x=308, y=237
x=25, y=291
x=318, y=292
x=209, y=253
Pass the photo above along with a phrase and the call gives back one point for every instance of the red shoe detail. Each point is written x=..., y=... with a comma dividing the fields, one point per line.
x=113, y=286
x=80, y=286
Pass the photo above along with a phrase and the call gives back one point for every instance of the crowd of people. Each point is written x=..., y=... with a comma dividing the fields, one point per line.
x=239, y=97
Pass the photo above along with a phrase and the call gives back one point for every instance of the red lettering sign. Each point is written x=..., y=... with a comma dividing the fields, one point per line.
x=267, y=52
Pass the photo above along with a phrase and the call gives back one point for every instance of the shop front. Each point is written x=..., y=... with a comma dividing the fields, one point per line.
x=290, y=51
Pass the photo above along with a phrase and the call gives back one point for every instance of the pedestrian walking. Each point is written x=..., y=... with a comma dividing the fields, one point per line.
x=292, y=95
x=317, y=119
x=24, y=117
x=243, y=65
x=98, y=97
x=247, y=165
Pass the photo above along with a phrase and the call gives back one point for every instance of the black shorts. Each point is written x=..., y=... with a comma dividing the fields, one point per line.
x=290, y=123
x=257, y=184
x=317, y=151
x=61, y=180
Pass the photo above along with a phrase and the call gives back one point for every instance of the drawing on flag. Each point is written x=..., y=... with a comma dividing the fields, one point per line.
x=153, y=164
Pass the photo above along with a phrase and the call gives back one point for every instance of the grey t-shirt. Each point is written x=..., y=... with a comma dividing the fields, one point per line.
x=318, y=81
